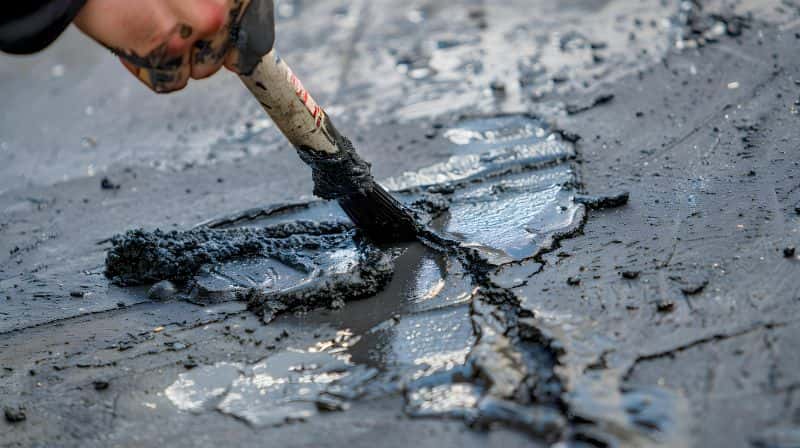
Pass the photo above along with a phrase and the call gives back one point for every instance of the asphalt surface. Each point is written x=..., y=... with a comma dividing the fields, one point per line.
x=668, y=321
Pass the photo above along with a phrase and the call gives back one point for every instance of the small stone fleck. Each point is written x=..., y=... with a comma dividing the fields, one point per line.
x=573, y=281
x=162, y=291
x=630, y=275
x=106, y=184
x=665, y=306
x=15, y=414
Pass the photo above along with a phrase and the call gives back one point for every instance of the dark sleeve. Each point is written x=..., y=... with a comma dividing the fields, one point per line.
x=28, y=26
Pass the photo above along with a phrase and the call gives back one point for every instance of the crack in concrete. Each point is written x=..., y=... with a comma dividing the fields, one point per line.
x=717, y=337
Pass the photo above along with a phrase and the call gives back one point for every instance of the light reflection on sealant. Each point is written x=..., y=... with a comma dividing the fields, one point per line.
x=429, y=281
x=507, y=217
x=511, y=128
x=443, y=400
x=505, y=225
x=217, y=283
x=343, y=260
x=436, y=362
x=421, y=344
x=489, y=145
x=196, y=390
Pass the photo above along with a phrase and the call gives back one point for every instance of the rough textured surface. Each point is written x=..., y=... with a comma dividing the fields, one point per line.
x=332, y=267
x=338, y=176
x=138, y=257
x=702, y=131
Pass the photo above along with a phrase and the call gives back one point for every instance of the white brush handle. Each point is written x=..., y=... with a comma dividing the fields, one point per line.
x=290, y=106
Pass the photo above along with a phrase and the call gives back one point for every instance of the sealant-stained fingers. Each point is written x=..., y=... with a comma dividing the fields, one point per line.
x=157, y=70
x=165, y=80
x=211, y=52
x=196, y=47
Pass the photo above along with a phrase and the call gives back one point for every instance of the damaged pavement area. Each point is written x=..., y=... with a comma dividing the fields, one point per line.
x=609, y=198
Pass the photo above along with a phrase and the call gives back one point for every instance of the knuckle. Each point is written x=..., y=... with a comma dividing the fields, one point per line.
x=178, y=45
x=211, y=18
x=163, y=33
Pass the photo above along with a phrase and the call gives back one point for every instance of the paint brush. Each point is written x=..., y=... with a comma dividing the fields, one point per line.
x=339, y=172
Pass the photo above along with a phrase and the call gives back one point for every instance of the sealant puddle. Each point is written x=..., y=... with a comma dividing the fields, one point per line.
x=512, y=218
x=507, y=186
x=431, y=324
x=419, y=323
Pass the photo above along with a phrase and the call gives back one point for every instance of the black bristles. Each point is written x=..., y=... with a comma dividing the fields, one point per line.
x=380, y=216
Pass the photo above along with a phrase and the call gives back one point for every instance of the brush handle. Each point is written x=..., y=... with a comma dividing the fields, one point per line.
x=291, y=107
x=338, y=172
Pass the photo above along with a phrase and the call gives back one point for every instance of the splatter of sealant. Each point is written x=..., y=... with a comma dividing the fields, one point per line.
x=505, y=194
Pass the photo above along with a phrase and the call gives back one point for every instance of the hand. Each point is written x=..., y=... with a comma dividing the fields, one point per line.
x=166, y=42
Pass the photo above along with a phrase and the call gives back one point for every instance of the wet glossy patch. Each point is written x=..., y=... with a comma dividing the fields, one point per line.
x=421, y=344
x=513, y=218
x=509, y=187
x=419, y=325
x=456, y=400
x=482, y=147
x=199, y=390
x=221, y=282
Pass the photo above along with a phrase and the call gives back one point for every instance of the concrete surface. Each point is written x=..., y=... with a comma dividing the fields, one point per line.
x=702, y=130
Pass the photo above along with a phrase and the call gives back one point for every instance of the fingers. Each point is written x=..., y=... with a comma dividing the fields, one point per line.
x=169, y=74
x=164, y=43
x=232, y=61
x=208, y=55
x=167, y=80
x=204, y=42
x=208, y=33
x=211, y=54
x=200, y=40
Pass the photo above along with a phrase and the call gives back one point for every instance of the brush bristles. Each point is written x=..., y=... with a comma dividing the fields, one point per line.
x=380, y=216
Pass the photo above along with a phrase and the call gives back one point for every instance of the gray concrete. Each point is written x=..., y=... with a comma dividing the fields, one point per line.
x=705, y=139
